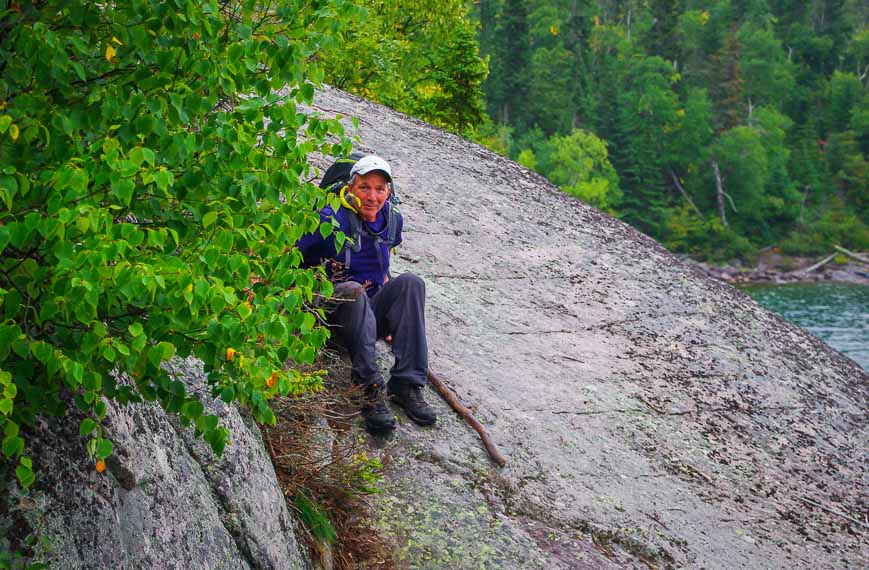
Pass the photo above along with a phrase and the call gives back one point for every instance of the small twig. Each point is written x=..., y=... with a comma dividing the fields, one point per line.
x=657, y=520
x=453, y=401
x=833, y=511
x=693, y=469
x=602, y=548
x=652, y=406
x=571, y=358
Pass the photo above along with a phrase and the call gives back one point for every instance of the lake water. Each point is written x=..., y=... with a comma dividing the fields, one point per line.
x=838, y=314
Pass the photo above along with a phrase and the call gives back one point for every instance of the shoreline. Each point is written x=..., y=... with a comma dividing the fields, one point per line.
x=773, y=268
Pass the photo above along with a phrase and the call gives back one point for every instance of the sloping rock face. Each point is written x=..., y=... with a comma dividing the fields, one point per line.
x=165, y=501
x=651, y=417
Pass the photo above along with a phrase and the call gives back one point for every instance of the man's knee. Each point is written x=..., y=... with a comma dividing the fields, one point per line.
x=410, y=282
x=348, y=291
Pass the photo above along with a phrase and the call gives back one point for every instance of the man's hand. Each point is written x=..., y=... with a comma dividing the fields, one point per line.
x=388, y=338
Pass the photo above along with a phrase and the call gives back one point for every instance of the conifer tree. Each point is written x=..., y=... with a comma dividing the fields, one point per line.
x=661, y=39
x=513, y=60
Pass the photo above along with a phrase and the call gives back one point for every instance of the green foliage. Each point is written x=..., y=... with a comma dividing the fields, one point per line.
x=850, y=169
x=846, y=92
x=550, y=84
x=456, y=99
x=366, y=475
x=648, y=116
x=744, y=170
x=765, y=71
x=494, y=137
x=704, y=239
x=17, y=561
x=417, y=56
x=315, y=519
x=509, y=59
x=774, y=92
x=579, y=164
x=150, y=199
x=834, y=226
x=860, y=123
x=693, y=131
x=528, y=159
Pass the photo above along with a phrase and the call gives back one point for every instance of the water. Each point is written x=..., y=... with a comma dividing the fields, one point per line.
x=837, y=314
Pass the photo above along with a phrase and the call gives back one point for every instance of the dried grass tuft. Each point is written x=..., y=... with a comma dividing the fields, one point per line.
x=325, y=473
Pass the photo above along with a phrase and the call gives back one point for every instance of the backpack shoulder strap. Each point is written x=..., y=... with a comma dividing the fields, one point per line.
x=355, y=234
x=392, y=223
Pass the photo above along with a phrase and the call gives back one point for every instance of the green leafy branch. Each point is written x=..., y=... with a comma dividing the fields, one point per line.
x=142, y=218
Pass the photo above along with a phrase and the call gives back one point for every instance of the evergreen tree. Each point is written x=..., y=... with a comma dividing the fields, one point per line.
x=457, y=99
x=513, y=60
x=727, y=89
x=675, y=85
x=661, y=39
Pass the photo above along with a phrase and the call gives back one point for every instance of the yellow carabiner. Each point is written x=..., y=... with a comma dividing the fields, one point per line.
x=346, y=204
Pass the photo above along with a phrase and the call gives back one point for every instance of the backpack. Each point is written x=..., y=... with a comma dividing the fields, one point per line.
x=335, y=180
x=337, y=176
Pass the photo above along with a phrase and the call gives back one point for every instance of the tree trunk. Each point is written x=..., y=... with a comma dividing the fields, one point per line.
x=630, y=6
x=719, y=191
x=803, y=204
x=683, y=192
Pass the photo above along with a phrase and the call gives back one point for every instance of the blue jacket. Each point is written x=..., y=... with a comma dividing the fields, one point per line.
x=360, y=262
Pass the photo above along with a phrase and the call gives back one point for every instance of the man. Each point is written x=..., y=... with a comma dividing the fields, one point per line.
x=370, y=304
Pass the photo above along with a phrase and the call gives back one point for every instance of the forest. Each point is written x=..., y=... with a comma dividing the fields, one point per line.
x=719, y=128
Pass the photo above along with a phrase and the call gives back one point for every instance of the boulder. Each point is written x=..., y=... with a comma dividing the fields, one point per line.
x=651, y=416
x=164, y=501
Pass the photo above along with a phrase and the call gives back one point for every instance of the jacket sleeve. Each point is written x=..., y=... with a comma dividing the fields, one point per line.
x=314, y=247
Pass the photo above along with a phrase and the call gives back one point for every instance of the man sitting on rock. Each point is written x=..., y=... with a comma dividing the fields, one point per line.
x=370, y=304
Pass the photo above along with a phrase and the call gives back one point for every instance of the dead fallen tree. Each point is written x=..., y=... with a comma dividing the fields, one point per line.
x=818, y=265
x=839, y=250
x=851, y=254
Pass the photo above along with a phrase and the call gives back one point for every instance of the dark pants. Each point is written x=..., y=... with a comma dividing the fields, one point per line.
x=398, y=309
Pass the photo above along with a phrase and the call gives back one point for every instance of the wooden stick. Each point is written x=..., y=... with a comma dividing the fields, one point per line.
x=451, y=398
x=832, y=511
x=851, y=254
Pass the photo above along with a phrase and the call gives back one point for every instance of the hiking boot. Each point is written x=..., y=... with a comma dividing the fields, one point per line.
x=409, y=397
x=374, y=410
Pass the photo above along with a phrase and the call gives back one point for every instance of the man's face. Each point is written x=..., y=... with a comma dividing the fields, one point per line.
x=372, y=189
